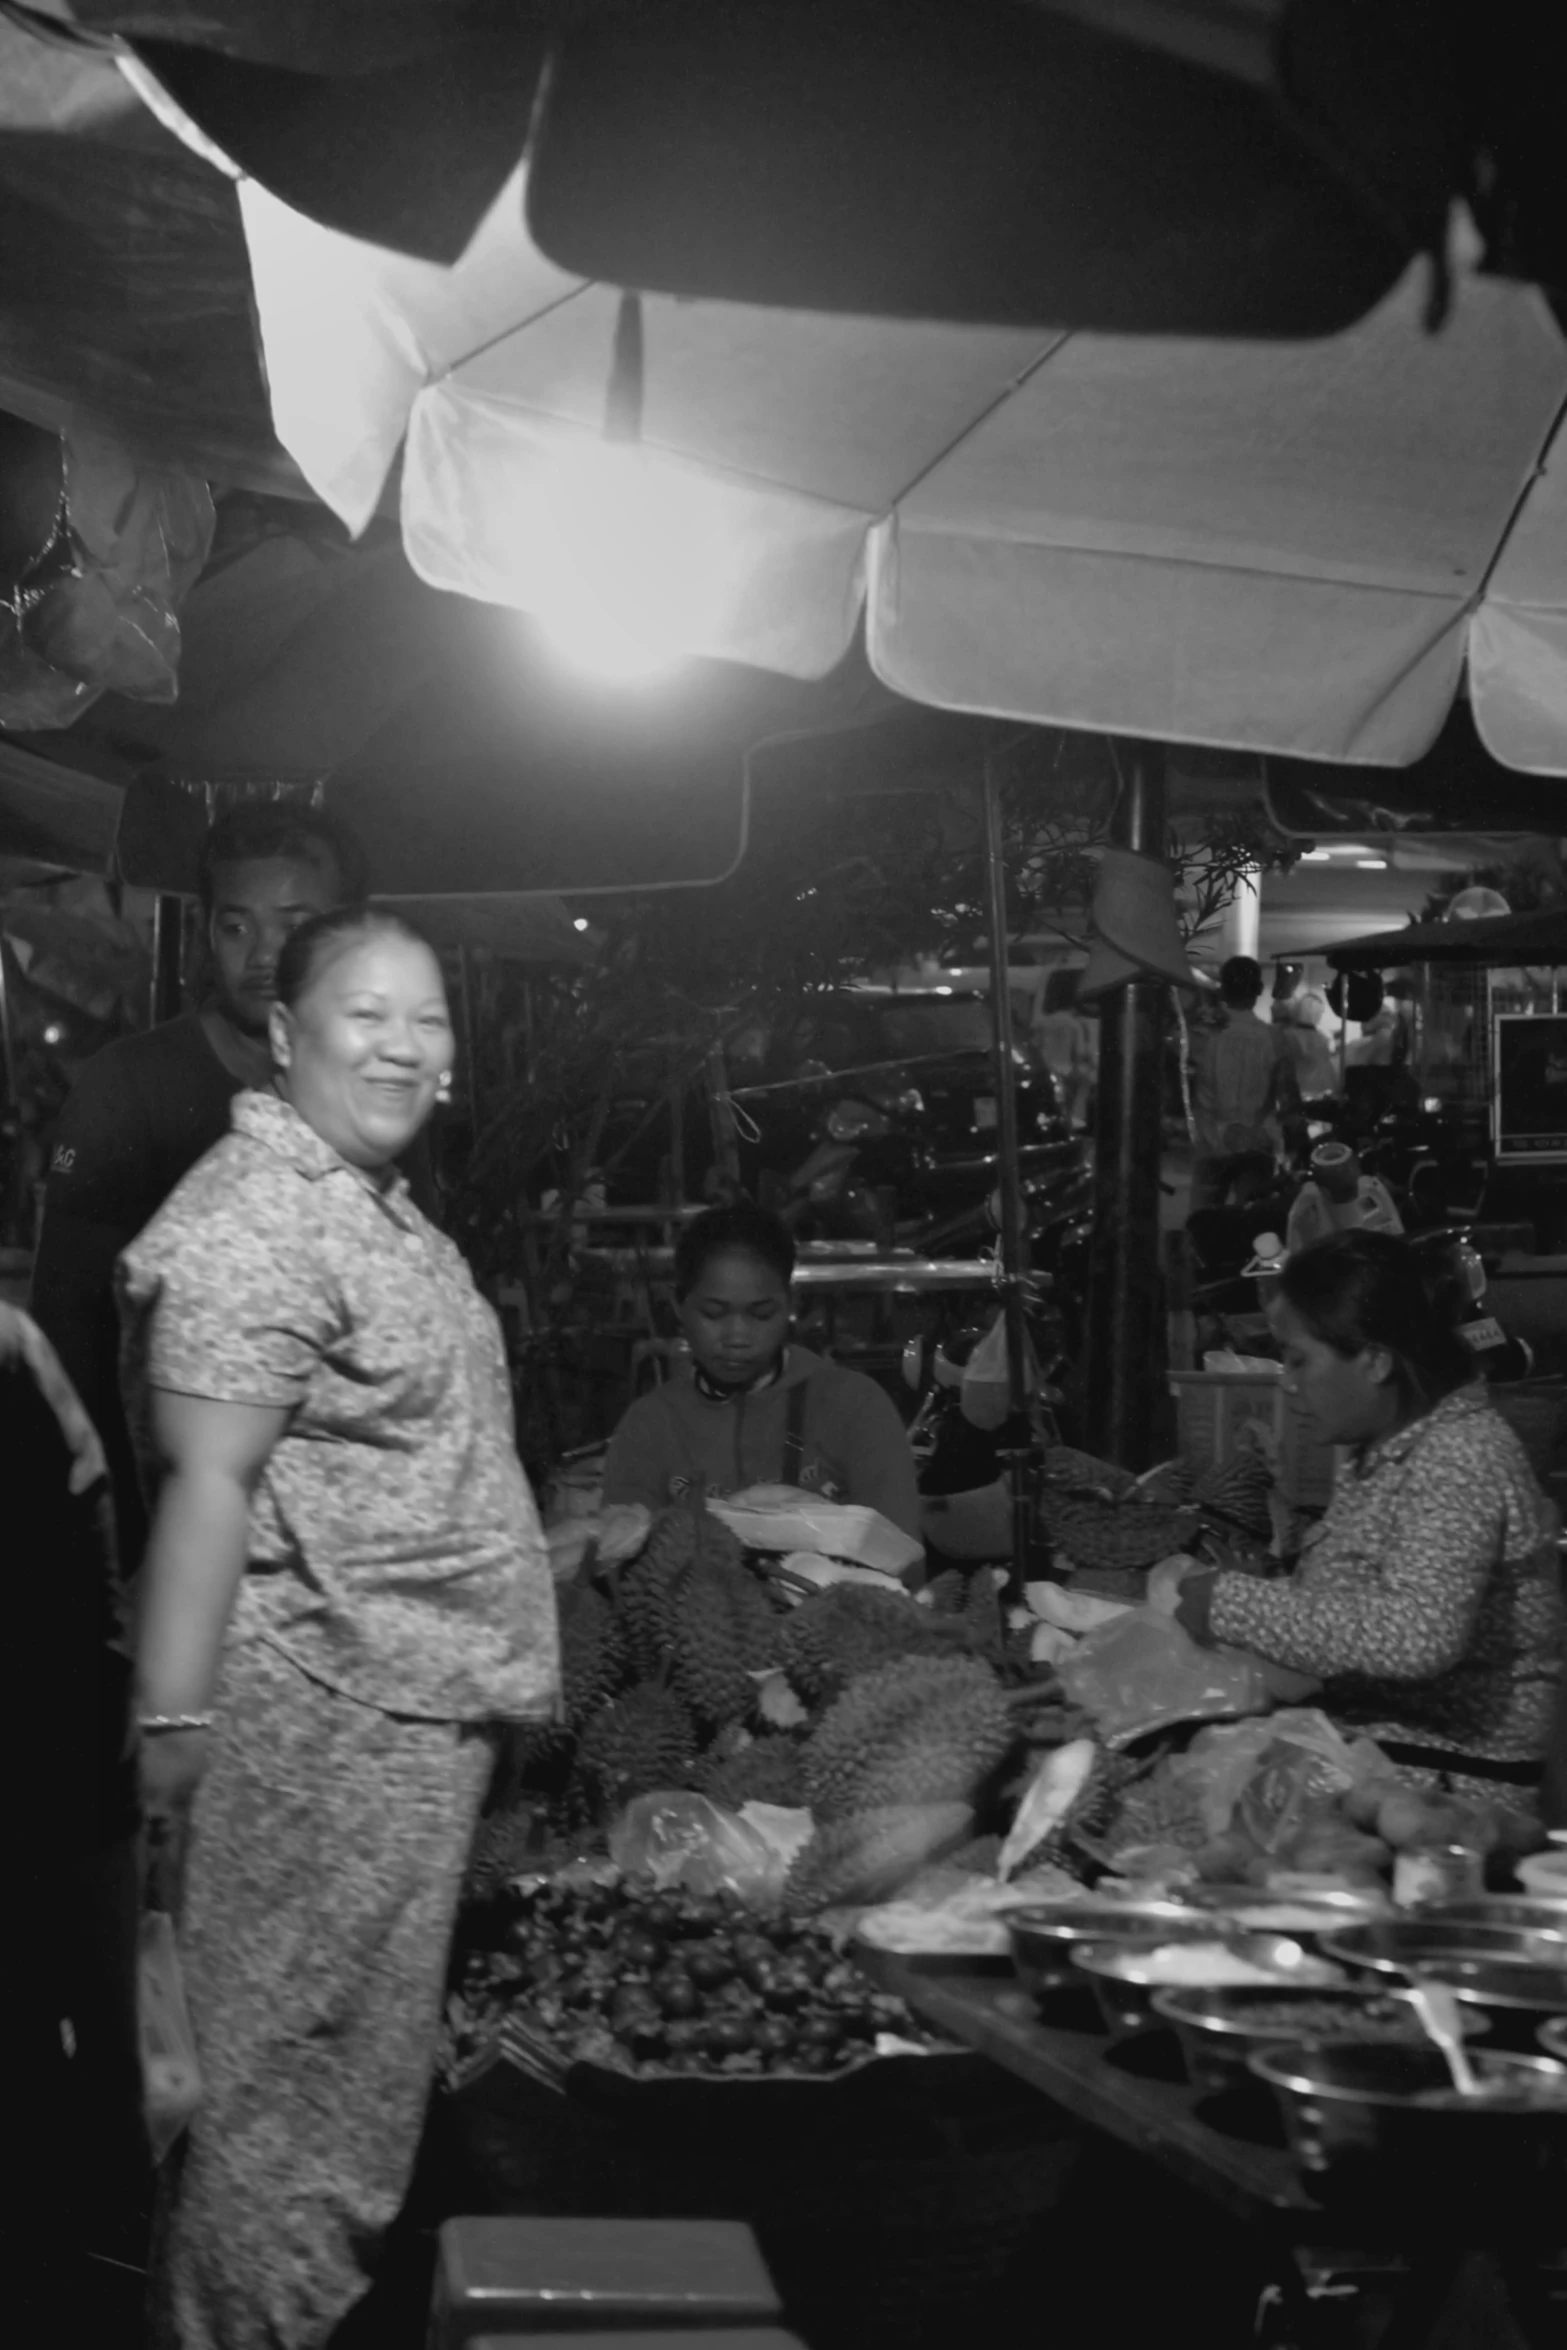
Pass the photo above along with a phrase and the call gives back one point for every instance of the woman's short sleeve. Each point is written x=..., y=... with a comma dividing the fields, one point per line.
x=223, y=1297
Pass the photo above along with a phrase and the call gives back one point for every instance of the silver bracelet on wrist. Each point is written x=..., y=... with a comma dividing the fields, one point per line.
x=155, y=1722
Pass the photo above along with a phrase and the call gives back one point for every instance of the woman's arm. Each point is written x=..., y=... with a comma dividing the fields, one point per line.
x=1553, y=1789
x=214, y=1452
x=1412, y=1617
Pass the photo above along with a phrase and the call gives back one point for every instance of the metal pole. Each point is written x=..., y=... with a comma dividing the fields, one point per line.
x=470, y=1037
x=1012, y=1268
x=168, y=941
x=1124, y=1345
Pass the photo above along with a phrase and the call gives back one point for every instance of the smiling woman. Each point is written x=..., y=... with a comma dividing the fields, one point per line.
x=361, y=1035
x=344, y=1585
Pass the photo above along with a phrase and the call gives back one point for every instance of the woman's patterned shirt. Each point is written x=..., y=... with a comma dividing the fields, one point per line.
x=1429, y=1597
x=395, y=1551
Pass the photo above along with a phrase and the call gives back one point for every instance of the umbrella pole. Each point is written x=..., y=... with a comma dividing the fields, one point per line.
x=1123, y=1340
x=1011, y=1203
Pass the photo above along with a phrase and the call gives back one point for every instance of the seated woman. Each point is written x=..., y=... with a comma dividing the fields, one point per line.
x=752, y=1409
x=1428, y=1600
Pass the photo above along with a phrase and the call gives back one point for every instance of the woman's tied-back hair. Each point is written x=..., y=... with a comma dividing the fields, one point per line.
x=308, y=950
x=741, y=1229
x=1360, y=1289
x=259, y=829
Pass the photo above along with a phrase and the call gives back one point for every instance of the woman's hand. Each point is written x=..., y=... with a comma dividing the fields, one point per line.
x=173, y=1764
x=1194, y=1606
x=170, y=1769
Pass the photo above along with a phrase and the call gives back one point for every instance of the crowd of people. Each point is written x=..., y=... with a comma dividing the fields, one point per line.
x=262, y=1397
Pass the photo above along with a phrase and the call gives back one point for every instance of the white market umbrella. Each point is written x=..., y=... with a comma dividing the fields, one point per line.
x=1303, y=549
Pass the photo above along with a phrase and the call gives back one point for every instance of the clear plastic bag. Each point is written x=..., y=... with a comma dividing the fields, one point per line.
x=1142, y=1672
x=171, y=2076
x=1263, y=1777
x=985, y=1396
x=680, y=1839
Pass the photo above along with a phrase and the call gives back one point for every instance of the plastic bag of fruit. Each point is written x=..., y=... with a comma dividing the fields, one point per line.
x=1143, y=1671
x=680, y=1839
x=1264, y=1778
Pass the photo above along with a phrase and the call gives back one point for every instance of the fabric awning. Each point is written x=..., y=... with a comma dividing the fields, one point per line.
x=1502, y=940
x=1303, y=549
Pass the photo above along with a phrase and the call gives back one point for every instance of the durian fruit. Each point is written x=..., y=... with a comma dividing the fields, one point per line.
x=593, y=1652
x=870, y=1854
x=723, y=1632
x=636, y=1744
x=1239, y=1493
x=836, y=1635
x=679, y=1538
x=983, y=1616
x=503, y=1847
x=1083, y=1472
x=1118, y=1535
x=767, y=1770
x=976, y=1858
x=1071, y=1802
x=921, y=1730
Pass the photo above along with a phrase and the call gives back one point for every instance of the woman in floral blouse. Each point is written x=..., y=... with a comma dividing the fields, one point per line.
x=1428, y=1601
x=345, y=1585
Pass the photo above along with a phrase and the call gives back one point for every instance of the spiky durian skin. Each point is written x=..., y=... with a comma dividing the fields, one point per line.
x=593, y=1657
x=502, y=1848
x=850, y=1629
x=918, y=1731
x=679, y=1538
x=869, y=1854
x=769, y=1770
x=724, y=1631
x=633, y=1746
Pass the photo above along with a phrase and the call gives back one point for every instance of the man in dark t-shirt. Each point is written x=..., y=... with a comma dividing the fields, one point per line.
x=146, y=1108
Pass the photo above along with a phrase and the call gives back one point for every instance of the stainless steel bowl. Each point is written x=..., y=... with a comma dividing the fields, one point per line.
x=1323, y=1910
x=1047, y=1937
x=1362, y=2136
x=1501, y=1910
x=1125, y=1978
x=1391, y=1946
x=1219, y=2029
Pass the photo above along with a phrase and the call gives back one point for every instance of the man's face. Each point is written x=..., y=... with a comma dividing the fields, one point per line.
x=255, y=907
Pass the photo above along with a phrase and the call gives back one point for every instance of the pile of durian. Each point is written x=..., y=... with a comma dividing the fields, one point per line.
x=906, y=1728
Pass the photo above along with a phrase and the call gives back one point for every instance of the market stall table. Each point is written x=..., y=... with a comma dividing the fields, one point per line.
x=1127, y=2095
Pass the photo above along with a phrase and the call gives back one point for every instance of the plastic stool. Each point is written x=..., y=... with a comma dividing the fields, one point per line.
x=533, y=2276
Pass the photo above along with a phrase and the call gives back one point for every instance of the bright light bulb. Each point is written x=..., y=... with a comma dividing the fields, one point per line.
x=620, y=548
x=580, y=923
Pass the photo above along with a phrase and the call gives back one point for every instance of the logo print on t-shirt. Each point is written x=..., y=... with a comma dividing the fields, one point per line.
x=64, y=1159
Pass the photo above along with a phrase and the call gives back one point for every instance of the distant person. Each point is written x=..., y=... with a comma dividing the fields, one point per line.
x=1068, y=1045
x=147, y=1107
x=1316, y=1069
x=1378, y=1044
x=1244, y=1085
